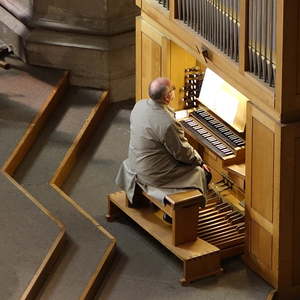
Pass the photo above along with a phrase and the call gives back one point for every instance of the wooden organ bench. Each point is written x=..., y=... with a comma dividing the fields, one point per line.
x=200, y=258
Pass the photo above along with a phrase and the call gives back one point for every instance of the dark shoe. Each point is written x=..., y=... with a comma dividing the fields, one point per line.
x=208, y=176
x=167, y=218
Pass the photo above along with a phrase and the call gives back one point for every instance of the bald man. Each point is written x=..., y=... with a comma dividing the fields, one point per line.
x=160, y=159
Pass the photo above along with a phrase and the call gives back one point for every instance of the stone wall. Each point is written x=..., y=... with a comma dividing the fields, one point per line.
x=93, y=39
x=99, y=16
x=21, y=9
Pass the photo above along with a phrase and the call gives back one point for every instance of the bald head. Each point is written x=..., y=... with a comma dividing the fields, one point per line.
x=158, y=88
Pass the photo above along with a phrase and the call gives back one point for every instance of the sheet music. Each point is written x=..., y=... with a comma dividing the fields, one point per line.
x=224, y=100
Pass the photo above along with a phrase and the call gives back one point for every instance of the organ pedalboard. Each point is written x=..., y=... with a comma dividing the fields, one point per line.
x=221, y=225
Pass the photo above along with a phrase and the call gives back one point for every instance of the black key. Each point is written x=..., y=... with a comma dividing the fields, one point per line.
x=227, y=133
x=233, y=137
x=218, y=125
x=222, y=129
x=204, y=114
x=239, y=141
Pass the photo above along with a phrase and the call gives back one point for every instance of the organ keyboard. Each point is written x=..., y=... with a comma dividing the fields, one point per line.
x=212, y=133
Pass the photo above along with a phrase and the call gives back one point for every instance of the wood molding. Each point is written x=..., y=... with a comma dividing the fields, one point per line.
x=55, y=250
x=80, y=141
x=138, y=58
x=101, y=269
x=93, y=284
x=41, y=274
x=10, y=166
x=61, y=175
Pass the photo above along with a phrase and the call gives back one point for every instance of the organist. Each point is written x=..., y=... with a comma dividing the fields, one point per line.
x=160, y=159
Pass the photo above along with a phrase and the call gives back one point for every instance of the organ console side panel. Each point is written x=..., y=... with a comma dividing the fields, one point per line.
x=179, y=60
x=149, y=57
x=289, y=226
x=262, y=163
x=157, y=56
x=272, y=202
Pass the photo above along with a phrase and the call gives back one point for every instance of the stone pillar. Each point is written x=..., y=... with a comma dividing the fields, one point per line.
x=93, y=39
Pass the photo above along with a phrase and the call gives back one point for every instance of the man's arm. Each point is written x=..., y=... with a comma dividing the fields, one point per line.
x=179, y=147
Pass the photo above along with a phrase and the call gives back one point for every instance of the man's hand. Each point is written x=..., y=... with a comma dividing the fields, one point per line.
x=208, y=174
x=206, y=168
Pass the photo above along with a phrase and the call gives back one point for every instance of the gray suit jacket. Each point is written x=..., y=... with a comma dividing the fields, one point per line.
x=160, y=159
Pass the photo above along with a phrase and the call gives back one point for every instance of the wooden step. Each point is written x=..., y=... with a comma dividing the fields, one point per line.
x=88, y=248
x=34, y=239
x=31, y=239
x=200, y=259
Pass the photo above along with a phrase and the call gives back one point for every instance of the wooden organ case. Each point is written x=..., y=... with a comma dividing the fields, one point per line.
x=222, y=146
x=253, y=45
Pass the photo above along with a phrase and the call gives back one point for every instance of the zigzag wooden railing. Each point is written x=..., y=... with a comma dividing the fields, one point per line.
x=61, y=176
x=8, y=170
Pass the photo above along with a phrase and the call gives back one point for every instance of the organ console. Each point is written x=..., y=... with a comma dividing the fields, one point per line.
x=218, y=134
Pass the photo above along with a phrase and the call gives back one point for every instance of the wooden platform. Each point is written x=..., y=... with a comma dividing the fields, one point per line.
x=200, y=259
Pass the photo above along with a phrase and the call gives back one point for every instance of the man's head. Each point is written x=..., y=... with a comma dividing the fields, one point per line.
x=161, y=90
